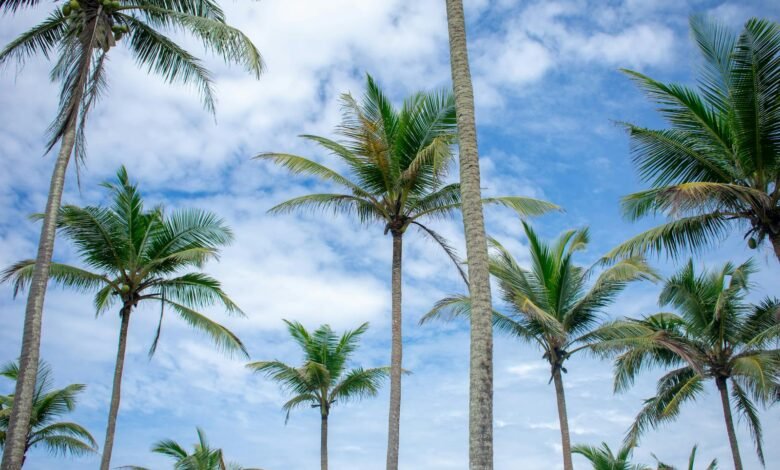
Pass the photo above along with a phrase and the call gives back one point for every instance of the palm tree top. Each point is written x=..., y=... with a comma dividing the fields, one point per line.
x=323, y=379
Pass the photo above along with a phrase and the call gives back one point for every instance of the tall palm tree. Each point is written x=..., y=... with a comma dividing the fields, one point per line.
x=602, y=458
x=84, y=31
x=203, y=457
x=550, y=303
x=718, y=167
x=397, y=159
x=716, y=336
x=323, y=380
x=58, y=437
x=137, y=256
x=481, y=348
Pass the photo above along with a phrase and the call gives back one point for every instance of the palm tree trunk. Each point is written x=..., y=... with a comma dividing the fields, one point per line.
x=776, y=244
x=324, y=442
x=19, y=424
x=394, y=419
x=481, y=368
x=116, y=391
x=724, y=399
x=563, y=418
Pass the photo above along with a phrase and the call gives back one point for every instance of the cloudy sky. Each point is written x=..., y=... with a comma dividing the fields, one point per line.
x=548, y=92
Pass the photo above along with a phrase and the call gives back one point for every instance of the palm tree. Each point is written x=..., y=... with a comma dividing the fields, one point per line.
x=602, y=458
x=397, y=160
x=84, y=31
x=323, y=380
x=481, y=353
x=203, y=456
x=58, y=437
x=550, y=303
x=718, y=167
x=137, y=255
x=716, y=336
x=691, y=461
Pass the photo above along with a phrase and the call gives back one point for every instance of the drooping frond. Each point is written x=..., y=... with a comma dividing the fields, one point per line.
x=524, y=206
x=749, y=414
x=448, y=249
x=365, y=210
x=221, y=336
x=68, y=276
x=42, y=38
x=359, y=383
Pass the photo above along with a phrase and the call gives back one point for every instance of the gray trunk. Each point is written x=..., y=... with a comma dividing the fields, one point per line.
x=19, y=424
x=116, y=391
x=563, y=418
x=481, y=367
x=394, y=418
x=324, y=442
x=724, y=399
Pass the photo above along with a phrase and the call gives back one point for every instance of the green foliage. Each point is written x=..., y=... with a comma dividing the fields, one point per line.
x=323, y=379
x=717, y=168
x=84, y=34
x=49, y=404
x=135, y=255
x=551, y=303
x=717, y=336
x=396, y=161
x=602, y=458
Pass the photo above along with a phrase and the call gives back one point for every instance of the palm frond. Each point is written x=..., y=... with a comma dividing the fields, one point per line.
x=68, y=276
x=524, y=206
x=748, y=412
x=222, y=337
x=42, y=38
x=444, y=244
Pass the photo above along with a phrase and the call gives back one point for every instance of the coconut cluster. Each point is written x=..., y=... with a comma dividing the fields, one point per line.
x=99, y=14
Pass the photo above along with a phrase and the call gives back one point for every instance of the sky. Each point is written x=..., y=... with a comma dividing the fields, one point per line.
x=548, y=94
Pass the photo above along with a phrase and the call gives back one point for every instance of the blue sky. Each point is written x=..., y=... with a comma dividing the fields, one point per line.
x=548, y=92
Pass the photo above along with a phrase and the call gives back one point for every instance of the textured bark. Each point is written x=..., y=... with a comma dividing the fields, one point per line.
x=324, y=442
x=396, y=354
x=116, y=391
x=724, y=399
x=563, y=418
x=481, y=367
x=19, y=424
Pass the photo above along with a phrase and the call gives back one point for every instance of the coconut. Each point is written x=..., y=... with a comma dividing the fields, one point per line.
x=752, y=244
x=74, y=5
x=117, y=35
x=66, y=10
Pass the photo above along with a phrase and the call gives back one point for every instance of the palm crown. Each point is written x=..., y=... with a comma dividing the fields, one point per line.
x=58, y=437
x=323, y=380
x=719, y=163
x=137, y=256
x=716, y=335
x=397, y=160
x=84, y=31
x=603, y=458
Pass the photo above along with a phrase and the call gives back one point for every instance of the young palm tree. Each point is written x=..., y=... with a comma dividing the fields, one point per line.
x=718, y=167
x=716, y=336
x=550, y=303
x=58, y=437
x=397, y=159
x=84, y=31
x=203, y=456
x=323, y=380
x=137, y=256
x=691, y=462
x=602, y=458
x=481, y=353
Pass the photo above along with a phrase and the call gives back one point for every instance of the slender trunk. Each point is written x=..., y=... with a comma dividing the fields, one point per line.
x=481, y=368
x=724, y=399
x=19, y=424
x=563, y=418
x=324, y=442
x=394, y=419
x=776, y=244
x=116, y=391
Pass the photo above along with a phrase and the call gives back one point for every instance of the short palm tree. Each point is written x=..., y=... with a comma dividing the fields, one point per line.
x=396, y=159
x=137, y=256
x=602, y=458
x=691, y=462
x=716, y=336
x=718, y=167
x=323, y=380
x=84, y=32
x=58, y=437
x=550, y=303
x=203, y=456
